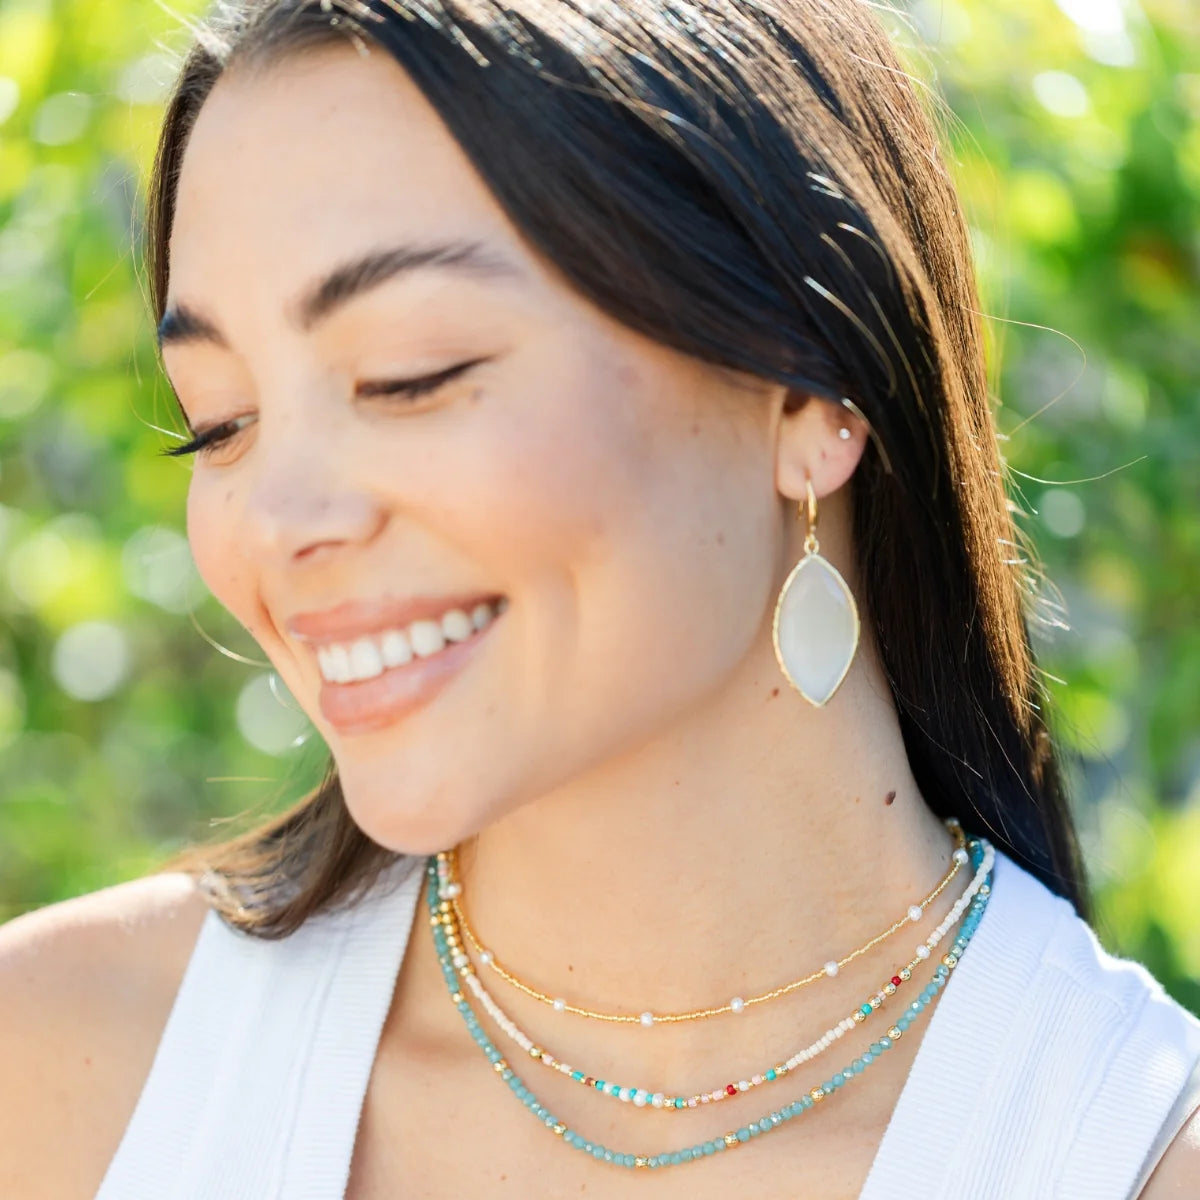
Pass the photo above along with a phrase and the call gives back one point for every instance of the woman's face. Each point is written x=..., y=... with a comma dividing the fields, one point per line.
x=617, y=495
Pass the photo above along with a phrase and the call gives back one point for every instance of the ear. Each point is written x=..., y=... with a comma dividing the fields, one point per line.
x=809, y=445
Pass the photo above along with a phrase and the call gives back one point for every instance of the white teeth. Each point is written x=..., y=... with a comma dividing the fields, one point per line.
x=456, y=625
x=396, y=649
x=426, y=637
x=335, y=664
x=365, y=660
x=368, y=657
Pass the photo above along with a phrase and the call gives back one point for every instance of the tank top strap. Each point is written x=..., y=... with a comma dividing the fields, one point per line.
x=258, y=1080
x=1048, y=1067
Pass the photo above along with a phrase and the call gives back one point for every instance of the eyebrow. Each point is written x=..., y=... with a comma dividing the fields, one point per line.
x=321, y=298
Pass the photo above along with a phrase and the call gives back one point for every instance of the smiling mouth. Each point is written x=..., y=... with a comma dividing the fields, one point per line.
x=385, y=696
x=347, y=664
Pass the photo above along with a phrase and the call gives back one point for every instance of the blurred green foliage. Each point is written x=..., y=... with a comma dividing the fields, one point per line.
x=135, y=712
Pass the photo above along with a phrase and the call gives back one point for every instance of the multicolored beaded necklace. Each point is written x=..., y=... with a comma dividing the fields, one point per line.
x=643, y=1096
x=982, y=857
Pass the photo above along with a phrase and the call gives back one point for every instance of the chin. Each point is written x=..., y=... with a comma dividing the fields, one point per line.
x=418, y=829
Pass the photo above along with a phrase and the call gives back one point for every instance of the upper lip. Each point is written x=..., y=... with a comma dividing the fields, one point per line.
x=359, y=618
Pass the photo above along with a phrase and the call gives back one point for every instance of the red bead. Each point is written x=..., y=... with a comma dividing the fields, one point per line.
x=730, y=1090
x=897, y=980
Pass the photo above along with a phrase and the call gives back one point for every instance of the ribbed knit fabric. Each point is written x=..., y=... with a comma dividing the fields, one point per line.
x=258, y=1080
x=1045, y=1071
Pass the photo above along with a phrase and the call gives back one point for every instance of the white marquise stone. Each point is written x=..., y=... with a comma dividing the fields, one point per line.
x=817, y=628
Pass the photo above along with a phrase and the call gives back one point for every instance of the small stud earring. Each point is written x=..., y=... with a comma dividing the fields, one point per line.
x=843, y=433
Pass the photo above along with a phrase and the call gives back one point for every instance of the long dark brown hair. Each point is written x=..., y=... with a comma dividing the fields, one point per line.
x=759, y=184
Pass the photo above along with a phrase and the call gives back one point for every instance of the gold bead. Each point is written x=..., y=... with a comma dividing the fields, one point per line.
x=858, y=1016
x=950, y=961
x=639, y=1161
x=890, y=988
x=560, y=1129
x=731, y=1139
x=456, y=997
x=905, y=974
x=817, y=1093
x=535, y=1052
x=895, y=1032
x=499, y=1065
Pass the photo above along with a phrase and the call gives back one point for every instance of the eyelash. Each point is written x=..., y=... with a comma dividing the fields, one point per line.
x=411, y=389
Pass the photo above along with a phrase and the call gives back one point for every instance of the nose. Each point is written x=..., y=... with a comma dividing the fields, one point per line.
x=299, y=506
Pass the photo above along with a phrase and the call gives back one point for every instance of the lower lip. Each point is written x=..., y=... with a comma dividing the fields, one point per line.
x=372, y=704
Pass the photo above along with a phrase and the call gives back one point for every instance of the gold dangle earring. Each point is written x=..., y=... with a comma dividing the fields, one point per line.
x=816, y=628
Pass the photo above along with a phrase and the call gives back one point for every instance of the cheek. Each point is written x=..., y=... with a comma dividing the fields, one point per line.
x=633, y=531
x=211, y=530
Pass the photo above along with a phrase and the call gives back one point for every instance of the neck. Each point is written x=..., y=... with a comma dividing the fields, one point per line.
x=724, y=859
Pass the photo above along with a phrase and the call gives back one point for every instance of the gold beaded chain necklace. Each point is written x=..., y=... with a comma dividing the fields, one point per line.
x=451, y=890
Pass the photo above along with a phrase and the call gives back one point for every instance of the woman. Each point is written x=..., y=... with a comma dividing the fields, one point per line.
x=591, y=425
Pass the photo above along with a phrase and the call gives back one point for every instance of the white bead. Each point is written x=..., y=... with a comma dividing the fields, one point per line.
x=560, y=1005
x=640, y=1097
x=657, y=1099
x=831, y=968
x=916, y=912
x=960, y=856
x=647, y=1019
x=450, y=890
x=922, y=951
x=737, y=1004
x=485, y=957
x=624, y=1093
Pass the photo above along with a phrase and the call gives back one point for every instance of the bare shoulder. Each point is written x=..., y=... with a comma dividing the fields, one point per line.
x=86, y=986
x=1177, y=1175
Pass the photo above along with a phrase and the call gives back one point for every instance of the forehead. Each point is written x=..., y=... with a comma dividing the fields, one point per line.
x=324, y=152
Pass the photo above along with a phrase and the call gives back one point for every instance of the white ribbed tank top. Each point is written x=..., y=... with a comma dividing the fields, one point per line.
x=1049, y=1070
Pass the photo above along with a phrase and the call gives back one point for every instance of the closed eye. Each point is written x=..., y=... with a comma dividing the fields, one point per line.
x=206, y=440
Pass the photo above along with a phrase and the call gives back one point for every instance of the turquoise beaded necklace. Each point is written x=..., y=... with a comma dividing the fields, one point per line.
x=980, y=851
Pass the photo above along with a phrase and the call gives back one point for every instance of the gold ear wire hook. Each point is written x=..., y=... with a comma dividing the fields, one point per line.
x=811, y=545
